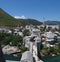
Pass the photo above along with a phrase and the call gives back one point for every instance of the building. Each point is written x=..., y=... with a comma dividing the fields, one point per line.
x=33, y=43
x=35, y=32
x=50, y=36
x=52, y=26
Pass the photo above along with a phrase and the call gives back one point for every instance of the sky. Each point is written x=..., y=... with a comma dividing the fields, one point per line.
x=36, y=9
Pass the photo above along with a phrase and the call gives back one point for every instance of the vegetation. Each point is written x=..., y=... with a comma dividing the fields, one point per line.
x=9, y=21
x=26, y=32
x=29, y=22
x=42, y=29
x=23, y=48
x=17, y=40
x=51, y=50
x=45, y=51
x=13, y=40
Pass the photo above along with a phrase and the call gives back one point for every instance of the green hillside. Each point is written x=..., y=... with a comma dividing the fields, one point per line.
x=7, y=20
x=29, y=21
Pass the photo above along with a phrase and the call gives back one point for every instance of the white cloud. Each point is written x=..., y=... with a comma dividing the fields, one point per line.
x=20, y=17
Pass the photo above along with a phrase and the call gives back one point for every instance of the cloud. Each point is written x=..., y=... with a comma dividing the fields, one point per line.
x=20, y=17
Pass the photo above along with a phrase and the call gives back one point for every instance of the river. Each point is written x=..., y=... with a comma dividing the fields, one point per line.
x=45, y=59
x=51, y=59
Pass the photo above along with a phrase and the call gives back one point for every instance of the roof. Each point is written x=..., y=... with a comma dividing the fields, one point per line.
x=50, y=34
x=11, y=61
x=36, y=30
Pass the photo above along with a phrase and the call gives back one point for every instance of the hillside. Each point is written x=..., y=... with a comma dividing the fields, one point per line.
x=7, y=20
x=29, y=21
x=52, y=22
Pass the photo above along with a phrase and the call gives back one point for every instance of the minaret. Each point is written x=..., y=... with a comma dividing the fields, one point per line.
x=38, y=43
x=32, y=41
x=37, y=49
x=35, y=46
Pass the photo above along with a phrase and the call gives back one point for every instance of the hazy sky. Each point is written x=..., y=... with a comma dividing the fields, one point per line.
x=36, y=9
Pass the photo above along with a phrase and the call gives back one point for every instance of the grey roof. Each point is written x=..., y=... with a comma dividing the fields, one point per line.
x=27, y=57
x=11, y=61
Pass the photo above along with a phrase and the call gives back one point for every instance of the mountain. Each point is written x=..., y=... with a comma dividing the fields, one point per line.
x=29, y=21
x=8, y=20
x=52, y=22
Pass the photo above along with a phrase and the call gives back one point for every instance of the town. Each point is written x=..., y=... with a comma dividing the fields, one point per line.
x=34, y=42
x=29, y=30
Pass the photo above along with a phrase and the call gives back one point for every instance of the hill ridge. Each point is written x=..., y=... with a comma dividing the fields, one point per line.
x=10, y=21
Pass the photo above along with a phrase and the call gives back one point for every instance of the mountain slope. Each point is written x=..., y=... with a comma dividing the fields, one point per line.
x=29, y=21
x=52, y=22
x=7, y=20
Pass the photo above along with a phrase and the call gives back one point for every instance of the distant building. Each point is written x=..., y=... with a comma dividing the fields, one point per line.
x=53, y=26
x=50, y=36
x=18, y=33
x=35, y=32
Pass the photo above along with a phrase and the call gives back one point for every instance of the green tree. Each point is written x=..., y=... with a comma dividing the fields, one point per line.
x=23, y=48
x=17, y=40
x=5, y=38
x=26, y=32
